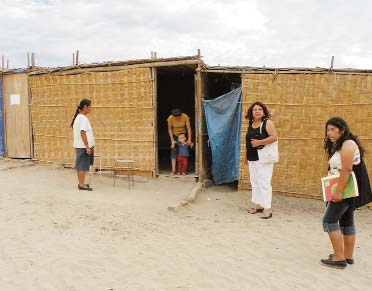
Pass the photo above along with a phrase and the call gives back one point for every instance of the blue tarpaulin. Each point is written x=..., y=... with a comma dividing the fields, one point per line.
x=223, y=116
x=2, y=137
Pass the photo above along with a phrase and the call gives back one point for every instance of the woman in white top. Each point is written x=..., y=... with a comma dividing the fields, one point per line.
x=83, y=142
x=345, y=154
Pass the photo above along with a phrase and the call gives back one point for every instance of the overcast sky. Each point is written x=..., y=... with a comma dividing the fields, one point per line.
x=272, y=33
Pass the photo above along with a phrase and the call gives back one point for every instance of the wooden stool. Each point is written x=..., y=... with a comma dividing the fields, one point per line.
x=127, y=167
x=99, y=156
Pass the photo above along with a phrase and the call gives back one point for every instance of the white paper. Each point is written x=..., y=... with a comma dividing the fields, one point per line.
x=15, y=99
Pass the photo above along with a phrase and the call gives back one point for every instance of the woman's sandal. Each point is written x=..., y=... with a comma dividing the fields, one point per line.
x=173, y=173
x=85, y=188
x=266, y=215
x=349, y=261
x=255, y=210
x=334, y=264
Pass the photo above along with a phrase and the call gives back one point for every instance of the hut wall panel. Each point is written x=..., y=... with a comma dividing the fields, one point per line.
x=300, y=105
x=122, y=116
x=17, y=117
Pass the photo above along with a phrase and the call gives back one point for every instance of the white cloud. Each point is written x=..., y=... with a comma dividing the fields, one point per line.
x=270, y=33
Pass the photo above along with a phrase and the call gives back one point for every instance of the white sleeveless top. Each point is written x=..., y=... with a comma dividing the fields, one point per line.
x=335, y=162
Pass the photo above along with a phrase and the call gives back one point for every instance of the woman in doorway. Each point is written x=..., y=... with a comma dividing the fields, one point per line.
x=178, y=123
x=260, y=173
x=83, y=142
x=345, y=154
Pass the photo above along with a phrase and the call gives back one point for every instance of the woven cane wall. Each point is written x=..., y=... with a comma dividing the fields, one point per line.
x=122, y=117
x=300, y=105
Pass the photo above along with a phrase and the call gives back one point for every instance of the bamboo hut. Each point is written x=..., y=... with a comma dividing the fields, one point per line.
x=301, y=101
x=131, y=101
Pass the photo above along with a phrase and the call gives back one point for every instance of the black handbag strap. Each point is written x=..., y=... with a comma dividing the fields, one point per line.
x=263, y=124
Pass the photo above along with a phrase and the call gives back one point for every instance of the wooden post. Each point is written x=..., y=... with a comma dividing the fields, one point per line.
x=32, y=59
x=77, y=57
x=152, y=54
x=73, y=58
x=332, y=60
x=155, y=55
x=199, y=54
x=7, y=64
x=156, y=121
x=28, y=59
x=2, y=62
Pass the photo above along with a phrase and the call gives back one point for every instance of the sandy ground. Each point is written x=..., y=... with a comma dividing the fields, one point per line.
x=54, y=237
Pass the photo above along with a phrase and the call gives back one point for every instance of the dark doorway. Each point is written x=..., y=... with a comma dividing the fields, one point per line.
x=217, y=84
x=175, y=89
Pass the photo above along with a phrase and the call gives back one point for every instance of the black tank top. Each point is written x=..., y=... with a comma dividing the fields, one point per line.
x=251, y=152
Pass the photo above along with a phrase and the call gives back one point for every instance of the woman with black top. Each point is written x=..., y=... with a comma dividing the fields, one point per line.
x=345, y=154
x=261, y=132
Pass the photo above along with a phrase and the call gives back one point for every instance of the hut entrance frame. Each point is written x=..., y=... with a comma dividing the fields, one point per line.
x=175, y=88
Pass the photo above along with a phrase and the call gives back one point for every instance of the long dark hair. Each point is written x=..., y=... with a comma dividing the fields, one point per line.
x=83, y=102
x=264, y=108
x=329, y=147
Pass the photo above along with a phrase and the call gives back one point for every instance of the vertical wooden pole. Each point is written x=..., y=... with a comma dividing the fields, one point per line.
x=199, y=168
x=32, y=59
x=5, y=112
x=155, y=106
x=30, y=119
x=28, y=59
x=77, y=57
x=73, y=58
x=332, y=60
x=7, y=64
x=2, y=62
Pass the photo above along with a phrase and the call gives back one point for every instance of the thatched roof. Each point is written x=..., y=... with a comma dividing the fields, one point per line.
x=114, y=66
x=13, y=71
x=266, y=70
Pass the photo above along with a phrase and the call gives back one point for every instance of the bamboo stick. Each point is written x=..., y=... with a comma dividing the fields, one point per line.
x=332, y=59
x=308, y=105
x=77, y=57
x=115, y=67
x=95, y=106
x=32, y=59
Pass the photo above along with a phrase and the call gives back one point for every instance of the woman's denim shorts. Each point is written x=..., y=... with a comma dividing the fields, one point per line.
x=339, y=216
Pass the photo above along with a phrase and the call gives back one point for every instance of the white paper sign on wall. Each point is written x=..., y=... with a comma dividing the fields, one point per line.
x=15, y=99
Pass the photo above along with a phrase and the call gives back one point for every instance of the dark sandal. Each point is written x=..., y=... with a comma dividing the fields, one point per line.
x=85, y=188
x=255, y=210
x=349, y=261
x=334, y=264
